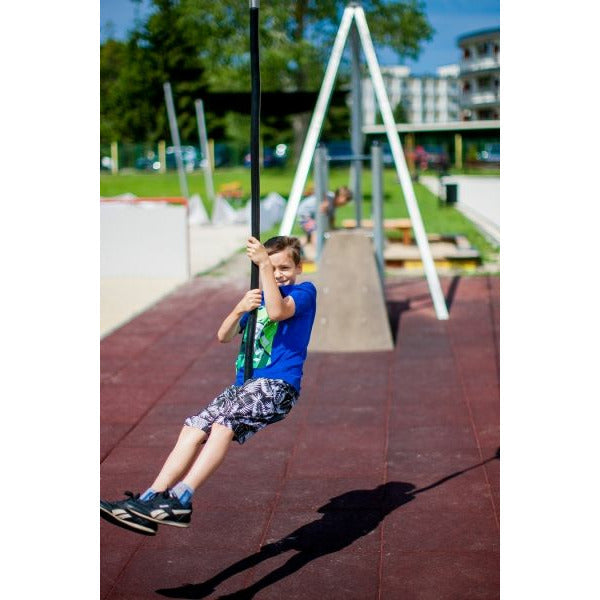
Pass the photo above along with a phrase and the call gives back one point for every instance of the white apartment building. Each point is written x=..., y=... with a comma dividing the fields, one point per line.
x=468, y=91
x=480, y=75
x=425, y=98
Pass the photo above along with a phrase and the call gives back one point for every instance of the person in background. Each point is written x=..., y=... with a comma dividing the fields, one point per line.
x=307, y=211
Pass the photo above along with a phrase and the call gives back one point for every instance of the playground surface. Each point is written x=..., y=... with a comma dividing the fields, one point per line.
x=382, y=483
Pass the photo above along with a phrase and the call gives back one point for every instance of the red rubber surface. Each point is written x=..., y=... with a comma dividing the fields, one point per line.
x=403, y=441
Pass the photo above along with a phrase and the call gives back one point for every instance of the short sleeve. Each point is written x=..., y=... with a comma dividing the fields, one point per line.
x=304, y=296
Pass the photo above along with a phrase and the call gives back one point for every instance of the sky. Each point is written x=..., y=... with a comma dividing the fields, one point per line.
x=449, y=18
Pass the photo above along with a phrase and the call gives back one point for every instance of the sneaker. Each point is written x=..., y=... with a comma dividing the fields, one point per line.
x=163, y=508
x=118, y=514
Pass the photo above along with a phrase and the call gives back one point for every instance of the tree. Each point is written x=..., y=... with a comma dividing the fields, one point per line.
x=296, y=40
x=159, y=49
x=202, y=44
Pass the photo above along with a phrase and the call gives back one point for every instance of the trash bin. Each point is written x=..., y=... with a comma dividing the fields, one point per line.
x=451, y=193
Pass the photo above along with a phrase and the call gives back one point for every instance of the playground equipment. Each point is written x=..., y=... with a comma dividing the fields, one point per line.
x=351, y=311
x=207, y=166
x=354, y=15
x=175, y=137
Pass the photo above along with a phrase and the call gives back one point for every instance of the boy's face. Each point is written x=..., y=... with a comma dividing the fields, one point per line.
x=284, y=268
x=341, y=199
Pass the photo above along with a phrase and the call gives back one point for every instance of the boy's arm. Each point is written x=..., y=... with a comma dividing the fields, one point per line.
x=231, y=324
x=278, y=308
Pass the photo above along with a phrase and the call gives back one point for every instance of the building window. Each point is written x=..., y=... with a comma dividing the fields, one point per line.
x=482, y=49
x=466, y=53
x=484, y=83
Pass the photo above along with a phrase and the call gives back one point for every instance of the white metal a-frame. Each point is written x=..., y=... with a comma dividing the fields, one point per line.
x=355, y=13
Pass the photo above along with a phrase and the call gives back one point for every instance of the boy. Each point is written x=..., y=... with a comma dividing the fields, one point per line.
x=285, y=316
x=307, y=211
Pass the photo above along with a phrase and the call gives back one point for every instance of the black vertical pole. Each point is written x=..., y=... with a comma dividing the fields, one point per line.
x=254, y=174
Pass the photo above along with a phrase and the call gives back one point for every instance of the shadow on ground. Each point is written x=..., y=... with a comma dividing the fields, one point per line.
x=395, y=308
x=346, y=518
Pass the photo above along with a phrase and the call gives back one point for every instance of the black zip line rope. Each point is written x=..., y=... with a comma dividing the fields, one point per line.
x=254, y=175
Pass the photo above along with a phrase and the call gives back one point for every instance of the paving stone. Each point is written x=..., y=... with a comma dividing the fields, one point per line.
x=441, y=575
x=381, y=483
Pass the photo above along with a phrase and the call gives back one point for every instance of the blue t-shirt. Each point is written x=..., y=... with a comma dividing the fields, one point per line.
x=280, y=346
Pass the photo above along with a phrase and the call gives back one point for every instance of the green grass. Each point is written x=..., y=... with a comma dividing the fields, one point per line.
x=437, y=218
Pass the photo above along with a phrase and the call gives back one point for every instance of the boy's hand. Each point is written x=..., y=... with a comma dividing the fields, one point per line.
x=250, y=301
x=256, y=252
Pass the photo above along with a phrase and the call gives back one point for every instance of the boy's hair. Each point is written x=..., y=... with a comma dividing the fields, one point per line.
x=281, y=242
x=344, y=191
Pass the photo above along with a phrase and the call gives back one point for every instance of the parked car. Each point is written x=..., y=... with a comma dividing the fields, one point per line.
x=340, y=152
x=192, y=158
x=272, y=157
x=147, y=163
x=222, y=155
x=437, y=157
x=490, y=153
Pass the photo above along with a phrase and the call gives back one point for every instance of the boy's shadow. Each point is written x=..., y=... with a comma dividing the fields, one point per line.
x=345, y=519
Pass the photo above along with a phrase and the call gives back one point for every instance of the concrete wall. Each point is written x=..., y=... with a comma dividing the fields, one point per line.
x=138, y=240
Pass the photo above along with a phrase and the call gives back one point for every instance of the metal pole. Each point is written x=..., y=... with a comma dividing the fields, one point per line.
x=208, y=180
x=254, y=175
x=182, y=180
x=433, y=281
x=321, y=172
x=316, y=122
x=377, y=205
x=357, y=135
x=175, y=137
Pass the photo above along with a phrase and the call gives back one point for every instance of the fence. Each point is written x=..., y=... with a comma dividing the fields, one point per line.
x=159, y=157
x=473, y=151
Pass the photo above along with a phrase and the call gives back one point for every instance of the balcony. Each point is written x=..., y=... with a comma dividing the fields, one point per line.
x=481, y=98
x=476, y=65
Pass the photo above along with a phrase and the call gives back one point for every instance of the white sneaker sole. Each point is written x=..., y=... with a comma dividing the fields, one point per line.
x=110, y=516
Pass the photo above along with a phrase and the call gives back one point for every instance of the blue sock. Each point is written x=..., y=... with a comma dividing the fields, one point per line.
x=183, y=492
x=148, y=495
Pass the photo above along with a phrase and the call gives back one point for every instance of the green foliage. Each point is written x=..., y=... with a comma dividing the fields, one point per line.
x=201, y=45
x=132, y=73
x=400, y=115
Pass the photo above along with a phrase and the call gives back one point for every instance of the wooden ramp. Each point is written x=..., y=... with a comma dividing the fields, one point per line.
x=351, y=310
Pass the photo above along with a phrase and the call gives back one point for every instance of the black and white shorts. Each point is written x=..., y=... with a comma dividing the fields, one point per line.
x=247, y=408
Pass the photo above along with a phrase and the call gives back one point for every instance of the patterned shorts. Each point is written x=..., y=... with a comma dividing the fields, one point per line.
x=247, y=408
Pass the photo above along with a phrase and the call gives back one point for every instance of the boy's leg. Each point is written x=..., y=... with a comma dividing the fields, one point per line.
x=181, y=457
x=167, y=508
x=211, y=456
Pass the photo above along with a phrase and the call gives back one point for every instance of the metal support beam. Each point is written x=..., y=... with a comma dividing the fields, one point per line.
x=377, y=205
x=175, y=137
x=321, y=177
x=433, y=281
x=357, y=137
x=314, y=129
x=208, y=180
